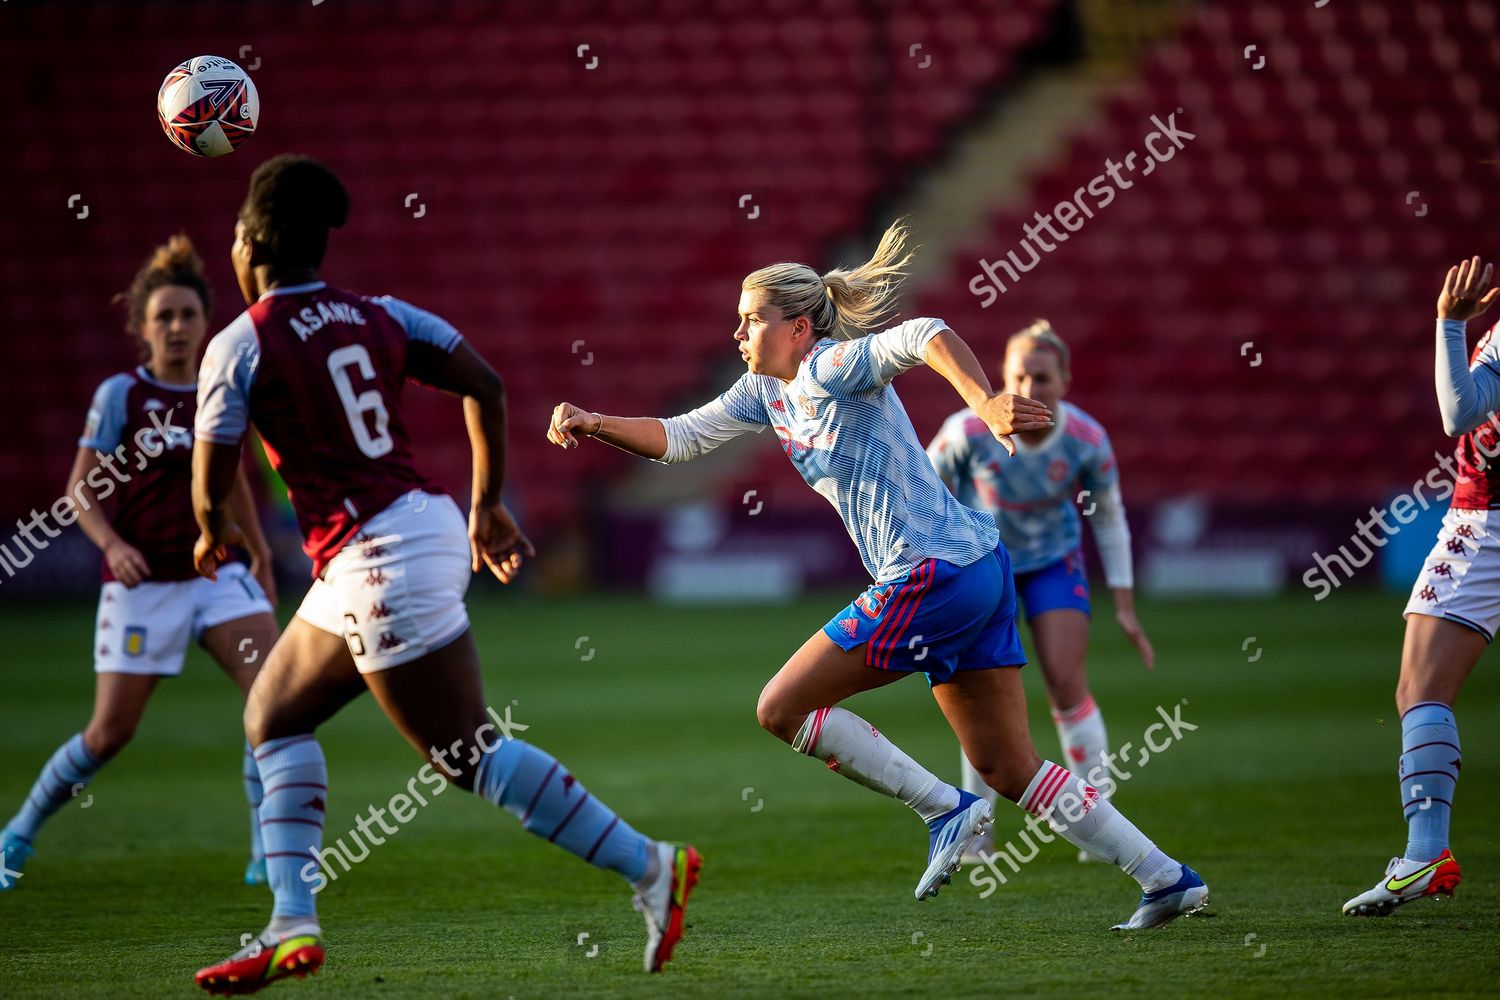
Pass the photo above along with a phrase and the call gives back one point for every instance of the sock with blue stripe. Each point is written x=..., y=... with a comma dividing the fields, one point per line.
x=552, y=804
x=295, y=778
x=1430, y=761
x=250, y=771
x=63, y=777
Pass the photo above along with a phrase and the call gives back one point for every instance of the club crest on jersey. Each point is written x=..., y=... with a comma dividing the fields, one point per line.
x=135, y=640
x=1057, y=470
x=809, y=408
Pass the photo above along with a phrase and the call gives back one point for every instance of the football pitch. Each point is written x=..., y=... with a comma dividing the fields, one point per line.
x=1284, y=797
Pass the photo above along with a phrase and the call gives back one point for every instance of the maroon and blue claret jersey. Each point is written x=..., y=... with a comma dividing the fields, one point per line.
x=320, y=372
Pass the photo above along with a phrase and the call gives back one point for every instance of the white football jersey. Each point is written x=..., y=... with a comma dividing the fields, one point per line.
x=844, y=428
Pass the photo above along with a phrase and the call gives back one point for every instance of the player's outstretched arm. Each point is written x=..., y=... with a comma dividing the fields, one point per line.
x=1004, y=414
x=643, y=436
x=1465, y=398
x=495, y=539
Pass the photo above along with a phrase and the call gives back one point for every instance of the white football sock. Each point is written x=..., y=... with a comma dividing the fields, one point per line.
x=973, y=783
x=855, y=749
x=1084, y=819
x=1080, y=730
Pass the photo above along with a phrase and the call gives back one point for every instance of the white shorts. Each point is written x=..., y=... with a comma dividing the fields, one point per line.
x=145, y=629
x=396, y=590
x=1460, y=580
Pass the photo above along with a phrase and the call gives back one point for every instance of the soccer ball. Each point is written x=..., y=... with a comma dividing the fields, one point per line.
x=208, y=106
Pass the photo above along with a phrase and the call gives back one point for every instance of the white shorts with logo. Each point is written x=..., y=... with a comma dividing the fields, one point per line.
x=1460, y=580
x=396, y=590
x=145, y=629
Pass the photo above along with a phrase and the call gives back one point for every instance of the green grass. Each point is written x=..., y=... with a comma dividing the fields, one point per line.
x=1284, y=798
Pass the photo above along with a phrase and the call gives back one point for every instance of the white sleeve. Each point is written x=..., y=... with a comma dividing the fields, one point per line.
x=855, y=366
x=224, y=381
x=1465, y=396
x=420, y=325
x=701, y=431
x=1112, y=536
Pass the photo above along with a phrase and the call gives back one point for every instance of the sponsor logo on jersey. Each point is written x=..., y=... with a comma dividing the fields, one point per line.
x=778, y=406
x=135, y=640
x=1427, y=594
x=164, y=436
x=839, y=352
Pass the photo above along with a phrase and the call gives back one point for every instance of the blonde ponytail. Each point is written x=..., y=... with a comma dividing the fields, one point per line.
x=842, y=304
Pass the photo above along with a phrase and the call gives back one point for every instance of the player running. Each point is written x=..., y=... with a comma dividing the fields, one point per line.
x=943, y=600
x=1031, y=494
x=131, y=489
x=1455, y=603
x=320, y=373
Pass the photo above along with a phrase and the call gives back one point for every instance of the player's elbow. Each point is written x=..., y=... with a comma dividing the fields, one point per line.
x=1459, y=424
x=488, y=387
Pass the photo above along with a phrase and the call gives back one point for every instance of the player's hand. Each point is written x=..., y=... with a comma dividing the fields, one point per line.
x=1467, y=291
x=497, y=541
x=211, y=553
x=126, y=563
x=1131, y=626
x=569, y=422
x=1005, y=415
x=260, y=568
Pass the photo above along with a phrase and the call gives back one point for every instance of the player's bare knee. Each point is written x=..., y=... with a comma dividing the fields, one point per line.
x=775, y=717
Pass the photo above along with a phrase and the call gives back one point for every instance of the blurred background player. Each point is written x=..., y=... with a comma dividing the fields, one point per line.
x=821, y=379
x=392, y=561
x=1031, y=494
x=1455, y=603
x=131, y=482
